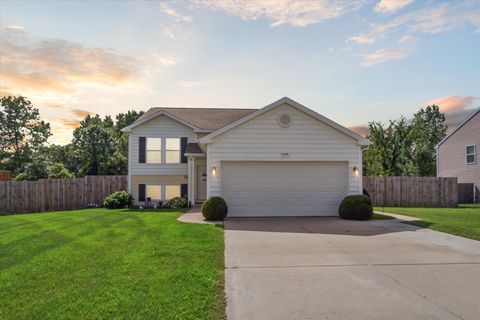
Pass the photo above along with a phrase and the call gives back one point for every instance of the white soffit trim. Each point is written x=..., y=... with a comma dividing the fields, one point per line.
x=157, y=114
x=361, y=140
x=470, y=117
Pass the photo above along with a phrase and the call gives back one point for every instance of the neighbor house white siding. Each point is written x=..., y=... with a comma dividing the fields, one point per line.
x=160, y=127
x=262, y=139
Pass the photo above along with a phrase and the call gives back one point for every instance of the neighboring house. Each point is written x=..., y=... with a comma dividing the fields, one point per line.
x=457, y=154
x=280, y=160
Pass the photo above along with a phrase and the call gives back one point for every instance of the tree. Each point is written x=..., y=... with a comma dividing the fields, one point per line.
x=35, y=169
x=123, y=120
x=405, y=147
x=95, y=142
x=388, y=155
x=22, y=132
x=428, y=129
x=58, y=171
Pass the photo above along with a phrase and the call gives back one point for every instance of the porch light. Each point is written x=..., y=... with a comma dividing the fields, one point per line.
x=355, y=170
x=214, y=171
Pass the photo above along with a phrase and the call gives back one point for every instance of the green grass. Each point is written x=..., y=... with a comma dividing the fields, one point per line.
x=377, y=216
x=110, y=264
x=462, y=221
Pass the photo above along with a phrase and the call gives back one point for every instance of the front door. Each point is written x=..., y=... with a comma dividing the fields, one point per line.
x=201, y=182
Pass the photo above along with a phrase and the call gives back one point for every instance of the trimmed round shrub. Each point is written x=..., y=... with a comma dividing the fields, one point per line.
x=118, y=200
x=356, y=207
x=178, y=202
x=214, y=208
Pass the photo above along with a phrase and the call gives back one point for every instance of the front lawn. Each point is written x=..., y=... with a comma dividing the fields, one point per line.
x=109, y=264
x=462, y=221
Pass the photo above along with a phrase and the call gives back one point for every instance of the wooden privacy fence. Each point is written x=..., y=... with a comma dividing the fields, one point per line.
x=412, y=191
x=57, y=194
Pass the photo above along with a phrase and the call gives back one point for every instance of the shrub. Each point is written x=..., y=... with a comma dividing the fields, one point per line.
x=118, y=200
x=59, y=171
x=214, y=208
x=356, y=207
x=178, y=202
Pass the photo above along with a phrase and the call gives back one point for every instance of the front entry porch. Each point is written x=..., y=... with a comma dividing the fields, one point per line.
x=197, y=177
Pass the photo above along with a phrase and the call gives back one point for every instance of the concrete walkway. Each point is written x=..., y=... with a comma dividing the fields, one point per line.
x=194, y=215
x=328, y=268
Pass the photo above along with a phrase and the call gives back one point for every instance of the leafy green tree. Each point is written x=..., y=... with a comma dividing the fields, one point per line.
x=68, y=155
x=123, y=120
x=59, y=171
x=428, y=129
x=95, y=142
x=388, y=155
x=22, y=133
x=35, y=169
x=405, y=147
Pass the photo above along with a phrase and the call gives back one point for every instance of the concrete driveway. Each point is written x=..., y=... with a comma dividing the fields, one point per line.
x=327, y=268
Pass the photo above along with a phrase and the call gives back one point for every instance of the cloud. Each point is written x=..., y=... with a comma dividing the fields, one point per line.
x=383, y=55
x=168, y=33
x=81, y=113
x=164, y=60
x=443, y=18
x=391, y=6
x=61, y=66
x=299, y=13
x=15, y=28
x=66, y=123
x=456, y=108
x=174, y=14
x=191, y=84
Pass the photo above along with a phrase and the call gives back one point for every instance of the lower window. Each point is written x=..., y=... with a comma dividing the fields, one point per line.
x=154, y=192
x=172, y=192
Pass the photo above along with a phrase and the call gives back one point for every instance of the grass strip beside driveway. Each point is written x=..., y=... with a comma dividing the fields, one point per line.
x=461, y=221
x=105, y=264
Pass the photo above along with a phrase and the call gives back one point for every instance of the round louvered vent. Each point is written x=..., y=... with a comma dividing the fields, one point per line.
x=284, y=120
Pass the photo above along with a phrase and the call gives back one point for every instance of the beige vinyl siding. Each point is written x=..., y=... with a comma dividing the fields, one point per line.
x=451, y=153
x=262, y=139
x=162, y=180
x=163, y=127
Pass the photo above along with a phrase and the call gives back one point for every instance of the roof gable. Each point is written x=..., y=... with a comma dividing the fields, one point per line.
x=470, y=117
x=362, y=141
x=199, y=119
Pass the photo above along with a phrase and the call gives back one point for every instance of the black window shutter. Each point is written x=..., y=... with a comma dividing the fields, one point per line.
x=141, y=192
x=184, y=191
x=183, y=148
x=142, y=141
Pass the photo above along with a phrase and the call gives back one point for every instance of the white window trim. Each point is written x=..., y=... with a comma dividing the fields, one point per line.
x=173, y=185
x=164, y=150
x=155, y=185
x=469, y=154
x=163, y=190
x=162, y=161
x=163, y=155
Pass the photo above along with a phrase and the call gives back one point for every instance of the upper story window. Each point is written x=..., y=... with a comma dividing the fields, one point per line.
x=471, y=154
x=172, y=150
x=154, y=150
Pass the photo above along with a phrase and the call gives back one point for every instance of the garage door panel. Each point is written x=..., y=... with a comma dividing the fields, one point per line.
x=283, y=188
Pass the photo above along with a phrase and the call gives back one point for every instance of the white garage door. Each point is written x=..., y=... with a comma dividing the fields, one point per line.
x=265, y=189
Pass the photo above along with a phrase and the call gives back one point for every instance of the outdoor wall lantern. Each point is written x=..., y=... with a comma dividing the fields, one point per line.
x=214, y=171
x=355, y=170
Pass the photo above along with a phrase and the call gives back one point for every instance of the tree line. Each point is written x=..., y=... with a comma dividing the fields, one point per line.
x=99, y=147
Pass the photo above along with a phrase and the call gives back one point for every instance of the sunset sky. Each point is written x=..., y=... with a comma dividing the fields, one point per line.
x=352, y=61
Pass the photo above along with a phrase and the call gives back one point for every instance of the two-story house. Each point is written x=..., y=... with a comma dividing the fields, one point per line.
x=457, y=154
x=280, y=160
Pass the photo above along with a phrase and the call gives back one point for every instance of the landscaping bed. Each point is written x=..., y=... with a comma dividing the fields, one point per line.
x=462, y=221
x=104, y=264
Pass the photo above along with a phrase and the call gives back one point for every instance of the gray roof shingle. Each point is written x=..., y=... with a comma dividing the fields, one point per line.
x=207, y=119
x=193, y=148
